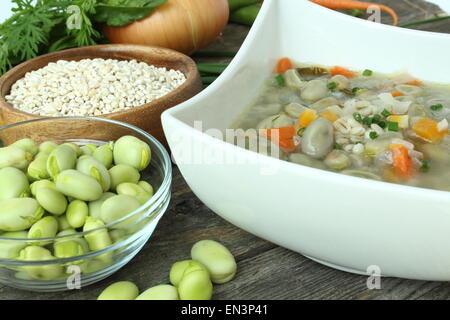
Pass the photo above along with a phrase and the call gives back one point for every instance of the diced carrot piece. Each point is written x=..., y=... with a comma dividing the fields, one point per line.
x=396, y=93
x=283, y=65
x=329, y=115
x=306, y=118
x=401, y=160
x=415, y=83
x=342, y=71
x=283, y=136
x=428, y=129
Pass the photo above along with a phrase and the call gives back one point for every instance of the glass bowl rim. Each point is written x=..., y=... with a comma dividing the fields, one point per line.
x=162, y=190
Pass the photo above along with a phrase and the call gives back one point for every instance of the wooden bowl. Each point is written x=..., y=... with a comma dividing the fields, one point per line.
x=147, y=116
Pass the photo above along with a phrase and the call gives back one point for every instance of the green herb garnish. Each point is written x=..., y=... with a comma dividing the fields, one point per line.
x=373, y=135
x=355, y=89
x=338, y=146
x=332, y=85
x=392, y=126
x=435, y=107
x=367, y=73
x=425, y=165
x=376, y=118
x=300, y=131
x=382, y=124
x=357, y=116
x=280, y=79
x=367, y=121
x=385, y=113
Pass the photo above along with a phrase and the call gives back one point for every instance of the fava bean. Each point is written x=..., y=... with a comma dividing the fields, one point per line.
x=13, y=183
x=118, y=235
x=18, y=214
x=13, y=156
x=11, y=249
x=123, y=173
x=94, y=168
x=98, y=239
x=146, y=186
x=318, y=138
x=118, y=207
x=38, y=167
x=63, y=224
x=74, y=147
x=88, y=149
x=47, y=147
x=44, y=228
x=95, y=206
x=51, y=200
x=75, y=184
x=69, y=248
x=216, y=258
x=160, y=292
x=134, y=190
x=178, y=269
x=132, y=151
x=60, y=159
x=195, y=284
x=77, y=212
x=94, y=265
x=41, y=184
x=122, y=290
x=104, y=154
x=27, y=145
x=40, y=272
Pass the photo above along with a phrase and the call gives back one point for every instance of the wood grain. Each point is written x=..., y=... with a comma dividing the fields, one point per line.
x=265, y=271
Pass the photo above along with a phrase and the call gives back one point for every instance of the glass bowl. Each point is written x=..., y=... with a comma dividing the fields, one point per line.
x=127, y=238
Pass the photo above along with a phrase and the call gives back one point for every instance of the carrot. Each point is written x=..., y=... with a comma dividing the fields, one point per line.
x=283, y=136
x=342, y=71
x=396, y=93
x=403, y=165
x=353, y=4
x=428, y=129
x=306, y=118
x=414, y=83
x=283, y=65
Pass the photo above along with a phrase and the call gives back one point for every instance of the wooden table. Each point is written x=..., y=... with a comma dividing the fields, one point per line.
x=265, y=270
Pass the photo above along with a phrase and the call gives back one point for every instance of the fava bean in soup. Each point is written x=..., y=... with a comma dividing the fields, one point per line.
x=366, y=124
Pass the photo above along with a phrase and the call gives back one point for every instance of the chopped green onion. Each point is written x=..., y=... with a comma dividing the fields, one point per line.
x=376, y=118
x=425, y=165
x=332, y=85
x=300, y=131
x=357, y=116
x=367, y=121
x=373, y=135
x=356, y=12
x=385, y=113
x=355, y=89
x=280, y=79
x=392, y=126
x=338, y=146
x=367, y=73
x=435, y=107
x=382, y=124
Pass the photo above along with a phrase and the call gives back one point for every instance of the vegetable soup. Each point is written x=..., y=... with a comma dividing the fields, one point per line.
x=390, y=128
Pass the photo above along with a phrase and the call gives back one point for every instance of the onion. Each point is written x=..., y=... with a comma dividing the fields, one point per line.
x=182, y=25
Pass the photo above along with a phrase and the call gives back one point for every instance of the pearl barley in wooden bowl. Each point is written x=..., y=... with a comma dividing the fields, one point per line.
x=129, y=83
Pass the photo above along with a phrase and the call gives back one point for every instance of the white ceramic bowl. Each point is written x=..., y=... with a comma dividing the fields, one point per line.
x=341, y=221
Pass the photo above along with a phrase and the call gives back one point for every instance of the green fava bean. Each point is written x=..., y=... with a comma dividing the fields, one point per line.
x=13, y=183
x=146, y=186
x=60, y=159
x=38, y=167
x=68, y=248
x=195, y=284
x=40, y=272
x=123, y=173
x=19, y=213
x=11, y=249
x=216, y=258
x=98, y=239
x=44, y=228
x=77, y=212
x=178, y=269
x=95, y=206
x=27, y=145
x=94, y=265
x=118, y=207
x=161, y=292
x=63, y=224
x=122, y=290
x=74, y=147
x=13, y=156
x=41, y=184
x=118, y=235
x=133, y=190
x=104, y=154
x=75, y=184
x=132, y=151
x=51, y=200
x=88, y=149
x=47, y=147
x=94, y=168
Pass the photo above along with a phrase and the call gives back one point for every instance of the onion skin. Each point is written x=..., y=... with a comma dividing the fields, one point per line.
x=182, y=25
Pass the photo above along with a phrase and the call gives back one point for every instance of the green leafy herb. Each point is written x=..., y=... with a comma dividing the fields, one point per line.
x=425, y=165
x=280, y=79
x=332, y=85
x=367, y=121
x=338, y=146
x=385, y=113
x=373, y=135
x=392, y=126
x=355, y=89
x=376, y=118
x=382, y=124
x=357, y=116
x=367, y=73
x=436, y=107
